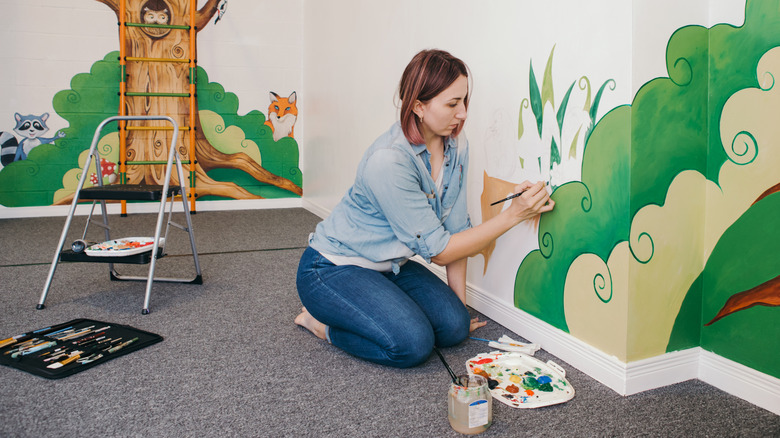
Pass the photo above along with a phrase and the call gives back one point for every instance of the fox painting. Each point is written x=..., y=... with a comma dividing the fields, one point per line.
x=282, y=114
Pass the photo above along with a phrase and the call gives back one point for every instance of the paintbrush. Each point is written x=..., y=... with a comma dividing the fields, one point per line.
x=515, y=195
x=455, y=379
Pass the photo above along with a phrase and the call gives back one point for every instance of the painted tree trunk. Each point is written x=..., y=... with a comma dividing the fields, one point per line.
x=173, y=77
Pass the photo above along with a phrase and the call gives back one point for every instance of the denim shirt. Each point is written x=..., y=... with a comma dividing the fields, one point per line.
x=393, y=210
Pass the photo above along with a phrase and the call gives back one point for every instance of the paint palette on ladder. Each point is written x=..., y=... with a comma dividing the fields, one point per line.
x=122, y=247
x=523, y=381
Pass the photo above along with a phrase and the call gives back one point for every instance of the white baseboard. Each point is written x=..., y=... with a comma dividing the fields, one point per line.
x=149, y=207
x=744, y=382
x=663, y=370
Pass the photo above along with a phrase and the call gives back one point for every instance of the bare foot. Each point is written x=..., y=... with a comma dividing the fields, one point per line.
x=308, y=322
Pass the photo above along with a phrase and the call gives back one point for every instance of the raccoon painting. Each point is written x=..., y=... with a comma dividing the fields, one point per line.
x=30, y=128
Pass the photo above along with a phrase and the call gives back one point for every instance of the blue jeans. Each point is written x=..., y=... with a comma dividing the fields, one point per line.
x=382, y=317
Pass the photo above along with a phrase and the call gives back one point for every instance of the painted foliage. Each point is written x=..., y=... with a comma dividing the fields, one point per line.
x=673, y=222
x=552, y=152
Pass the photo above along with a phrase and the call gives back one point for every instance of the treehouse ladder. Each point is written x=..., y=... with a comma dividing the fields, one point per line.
x=123, y=94
x=101, y=193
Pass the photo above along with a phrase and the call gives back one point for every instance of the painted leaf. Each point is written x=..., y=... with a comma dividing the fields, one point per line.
x=573, y=147
x=594, y=109
x=586, y=107
x=555, y=154
x=547, y=83
x=562, y=109
x=520, y=129
x=535, y=98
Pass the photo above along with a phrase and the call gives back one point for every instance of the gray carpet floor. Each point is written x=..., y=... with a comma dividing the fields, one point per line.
x=233, y=363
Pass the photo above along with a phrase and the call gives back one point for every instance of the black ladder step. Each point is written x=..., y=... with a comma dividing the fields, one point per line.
x=128, y=192
x=134, y=259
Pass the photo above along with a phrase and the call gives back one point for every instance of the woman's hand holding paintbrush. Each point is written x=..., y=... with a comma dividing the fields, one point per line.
x=512, y=196
x=528, y=201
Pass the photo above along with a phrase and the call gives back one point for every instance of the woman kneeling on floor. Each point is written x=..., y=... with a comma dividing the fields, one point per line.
x=359, y=289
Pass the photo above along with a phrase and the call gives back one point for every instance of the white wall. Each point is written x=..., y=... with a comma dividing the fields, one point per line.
x=256, y=48
x=43, y=44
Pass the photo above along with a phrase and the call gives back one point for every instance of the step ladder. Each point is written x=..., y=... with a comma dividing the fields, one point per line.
x=129, y=192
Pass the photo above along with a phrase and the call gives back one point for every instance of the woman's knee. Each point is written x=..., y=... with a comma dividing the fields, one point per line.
x=454, y=329
x=412, y=350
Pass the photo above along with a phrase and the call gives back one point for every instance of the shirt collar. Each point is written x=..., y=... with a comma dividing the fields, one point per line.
x=449, y=142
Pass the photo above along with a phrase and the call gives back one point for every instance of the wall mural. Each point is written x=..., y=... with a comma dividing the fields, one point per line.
x=238, y=157
x=566, y=136
x=668, y=239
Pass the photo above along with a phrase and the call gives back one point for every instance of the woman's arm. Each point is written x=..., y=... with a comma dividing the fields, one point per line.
x=456, y=278
x=467, y=243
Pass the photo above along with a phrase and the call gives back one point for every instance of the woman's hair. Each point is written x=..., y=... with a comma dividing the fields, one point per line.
x=429, y=73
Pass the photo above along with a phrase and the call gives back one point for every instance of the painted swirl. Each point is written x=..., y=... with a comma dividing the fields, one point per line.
x=158, y=146
x=546, y=245
x=218, y=96
x=600, y=284
x=31, y=167
x=178, y=51
x=681, y=76
x=642, y=253
x=106, y=149
x=73, y=97
x=768, y=78
x=744, y=148
x=587, y=200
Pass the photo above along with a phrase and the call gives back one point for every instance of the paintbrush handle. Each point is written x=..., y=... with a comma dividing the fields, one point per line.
x=446, y=365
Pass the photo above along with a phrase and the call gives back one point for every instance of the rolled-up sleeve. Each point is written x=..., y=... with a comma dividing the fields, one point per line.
x=394, y=188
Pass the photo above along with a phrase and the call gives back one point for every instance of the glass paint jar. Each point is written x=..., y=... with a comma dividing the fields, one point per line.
x=470, y=405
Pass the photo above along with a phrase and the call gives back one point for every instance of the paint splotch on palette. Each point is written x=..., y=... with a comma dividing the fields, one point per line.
x=523, y=381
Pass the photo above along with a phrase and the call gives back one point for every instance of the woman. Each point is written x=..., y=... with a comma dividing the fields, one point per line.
x=359, y=289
